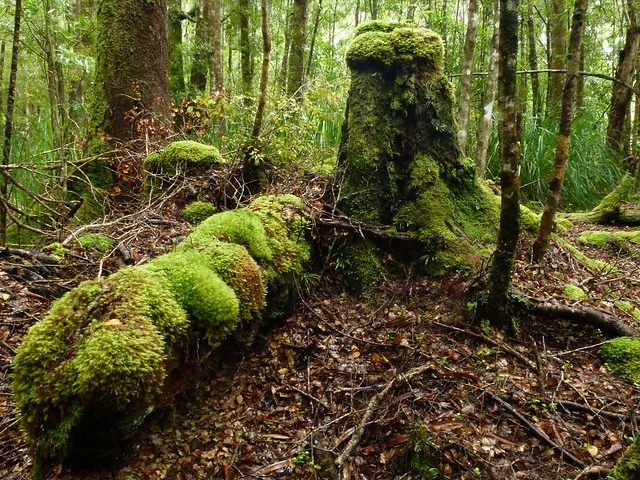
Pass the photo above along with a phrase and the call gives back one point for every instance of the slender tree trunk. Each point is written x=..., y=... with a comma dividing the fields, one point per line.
x=411, y=10
x=541, y=244
x=374, y=9
x=8, y=128
x=314, y=33
x=214, y=18
x=295, y=79
x=503, y=258
x=558, y=52
x=580, y=86
x=245, y=48
x=357, y=14
x=202, y=43
x=620, y=95
x=486, y=118
x=264, y=77
x=176, y=63
x=284, y=67
x=533, y=62
x=464, y=106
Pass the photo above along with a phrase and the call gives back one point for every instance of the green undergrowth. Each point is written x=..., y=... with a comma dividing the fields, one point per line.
x=95, y=241
x=91, y=370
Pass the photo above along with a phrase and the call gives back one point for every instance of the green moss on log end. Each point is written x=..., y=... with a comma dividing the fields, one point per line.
x=384, y=45
x=621, y=356
x=183, y=155
x=99, y=355
x=95, y=241
x=628, y=466
x=210, y=303
x=196, y=212
x=610, y=208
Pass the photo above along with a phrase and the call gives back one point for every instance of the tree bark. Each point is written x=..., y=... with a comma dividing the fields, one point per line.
x=295, y=79
x=541, y=244
x=464, y=106
x=215, y=67
x=314, y=33
x=202, y=47
x=245, y=49
x=486, y=118
x=502, y=264
x=533, y=62
x=557, y=56
x=620, y=96
x=128, y=78
x=284, y=66
x=8, y=128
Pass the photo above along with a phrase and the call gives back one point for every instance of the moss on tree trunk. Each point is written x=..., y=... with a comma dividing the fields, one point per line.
x=399, y=162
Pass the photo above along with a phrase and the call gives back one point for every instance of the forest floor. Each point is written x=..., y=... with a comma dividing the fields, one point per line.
x=404, y=383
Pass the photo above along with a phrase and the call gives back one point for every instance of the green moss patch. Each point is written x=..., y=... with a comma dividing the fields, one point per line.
x=95, y=241
x=183, y=155
x=56, y=250
x=196, y=212
x=574, y=292
x=621, y=356
x=210, y=303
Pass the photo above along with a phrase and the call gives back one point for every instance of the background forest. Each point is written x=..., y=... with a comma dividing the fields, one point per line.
x=216, y=50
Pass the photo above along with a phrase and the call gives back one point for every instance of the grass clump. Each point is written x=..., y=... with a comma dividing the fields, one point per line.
x=621, y=356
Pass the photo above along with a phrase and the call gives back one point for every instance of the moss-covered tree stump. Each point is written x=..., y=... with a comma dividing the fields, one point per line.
x=399, y=162
x=93, y=369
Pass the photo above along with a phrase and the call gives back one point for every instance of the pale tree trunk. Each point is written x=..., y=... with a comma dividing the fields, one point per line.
x=541, y=244
x=213, y=17
x=295, y=78
x=533, y=62
x=503, y=258
x=620, y=94
x=264, y=76
x=245, y=49
x=284, y=67
x=176, y=63
x=8, y=128
x=486, y=119
x=314, y=33
x=464, y=106
x=557, y=56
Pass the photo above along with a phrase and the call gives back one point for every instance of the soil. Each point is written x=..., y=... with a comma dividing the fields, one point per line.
x=403, y=383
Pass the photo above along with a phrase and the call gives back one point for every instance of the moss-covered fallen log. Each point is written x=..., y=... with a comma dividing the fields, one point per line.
x=90, y=372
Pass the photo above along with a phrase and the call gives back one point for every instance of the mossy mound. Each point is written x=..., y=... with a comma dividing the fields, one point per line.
x=98, y=356
x=574, y=292
x=56, y=250
x=183, y=156
x=628, y=466
x=621, y=356
x=361, y=266
x=196, y=212
x=210, y=303
x=95, y=241
x=90, y=371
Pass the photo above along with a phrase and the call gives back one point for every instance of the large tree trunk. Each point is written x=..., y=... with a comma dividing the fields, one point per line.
x=295, y=79
x=541, y=244
x=502, y=264
x=464, y=107
x=131, y=80
x=486, y=117
x=620, y=94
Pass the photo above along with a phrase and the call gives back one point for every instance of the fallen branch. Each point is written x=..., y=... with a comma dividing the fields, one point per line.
x=573, y=460
x=604, y=321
